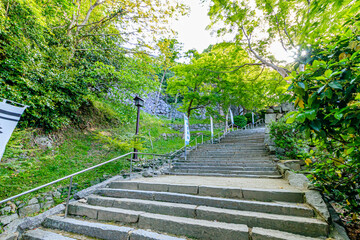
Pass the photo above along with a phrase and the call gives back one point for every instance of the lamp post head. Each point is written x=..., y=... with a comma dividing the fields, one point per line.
x=139, y=102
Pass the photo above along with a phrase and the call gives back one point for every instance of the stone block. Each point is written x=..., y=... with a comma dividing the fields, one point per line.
x=186, y=189
x=153, y=187
x=91, y=229
x=5, y=220
x=124, y=185
x=28, y=210
x=39, y=234
x=297, y=180
x=193, y=228
x=315, y=199
x=9, y=236
x=146, y=235
x=269, y=195
x=220, y=192
x=270, y=117
x=118, y=215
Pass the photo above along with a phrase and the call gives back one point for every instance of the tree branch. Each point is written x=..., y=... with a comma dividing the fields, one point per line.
x=282, y=71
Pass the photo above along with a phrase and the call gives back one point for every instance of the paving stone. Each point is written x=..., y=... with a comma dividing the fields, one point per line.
x=187, y=189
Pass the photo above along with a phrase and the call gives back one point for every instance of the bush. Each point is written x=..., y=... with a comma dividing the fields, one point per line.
x=240, y=121
x=327, y=94
x=288, y=138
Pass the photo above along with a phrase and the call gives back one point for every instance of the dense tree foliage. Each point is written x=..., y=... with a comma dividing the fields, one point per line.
x=208, y=81
x=59, y=56
x=327, y=94
x=256, y=25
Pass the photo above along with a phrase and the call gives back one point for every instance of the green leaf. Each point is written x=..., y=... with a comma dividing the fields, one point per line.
x=310, y=114
x=338, y=115
x=301, y=84
x=320, y=89
x=301, y=117
x=316, y=125
x=335, y=85
x=328, y=73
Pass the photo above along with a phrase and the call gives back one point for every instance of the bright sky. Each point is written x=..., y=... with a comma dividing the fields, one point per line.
x=192, y=33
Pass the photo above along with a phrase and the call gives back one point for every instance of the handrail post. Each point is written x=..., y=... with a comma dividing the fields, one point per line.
x=202, y=139
x=153, y=164
x=68, y=198
x=196, y=143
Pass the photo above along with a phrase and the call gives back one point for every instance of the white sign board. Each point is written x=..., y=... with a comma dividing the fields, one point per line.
x=186, y=130
x=211, y=127
x=231, y=117
x=9, y=117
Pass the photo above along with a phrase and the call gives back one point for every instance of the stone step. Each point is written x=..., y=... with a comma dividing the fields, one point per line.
x=103, y=231
x=261, y=234
x=200, y=170
x=227, y=155
x=249, y=163
x=298, y=225
x=39, y=234
x=266, y=195
x=224, y=168
x=223, y=175
x=229, y=159
x=280, y=208
x=194, y=228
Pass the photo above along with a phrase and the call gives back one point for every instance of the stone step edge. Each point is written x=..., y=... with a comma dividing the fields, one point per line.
x=281, y=208
x=298, y=225
x=102, y=230
x=266, y=195
x=156, y=222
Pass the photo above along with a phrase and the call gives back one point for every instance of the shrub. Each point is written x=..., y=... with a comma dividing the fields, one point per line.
x=240, y=121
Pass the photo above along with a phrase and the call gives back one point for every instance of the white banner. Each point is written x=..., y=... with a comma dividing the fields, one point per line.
x=9, y=117
x=211, y=127
x=252, y=116
x=231, y=117
x=186, y=130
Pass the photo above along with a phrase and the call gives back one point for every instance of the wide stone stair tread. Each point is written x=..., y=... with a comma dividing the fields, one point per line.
x=223, y=175
x=312, y=227
x=240, y=172
x=102, y=230
x=268, y=234
x=224, y=168
x=266, y=195
x=281, y=208
x=39, y=234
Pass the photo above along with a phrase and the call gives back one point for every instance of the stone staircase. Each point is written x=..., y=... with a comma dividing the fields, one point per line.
x=239, y=154
x=195, y=207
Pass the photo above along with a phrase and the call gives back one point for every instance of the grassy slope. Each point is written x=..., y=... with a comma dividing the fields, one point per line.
x=26, y=166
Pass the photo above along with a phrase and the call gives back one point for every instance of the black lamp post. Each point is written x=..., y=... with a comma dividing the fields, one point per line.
x=139, y=102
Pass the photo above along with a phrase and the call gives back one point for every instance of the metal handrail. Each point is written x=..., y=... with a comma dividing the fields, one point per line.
x=75, y=174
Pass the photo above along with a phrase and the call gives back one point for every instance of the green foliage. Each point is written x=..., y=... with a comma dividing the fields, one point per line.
x=289, y=138
x=213, y=78
x=327, y=96
x=240, y=121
